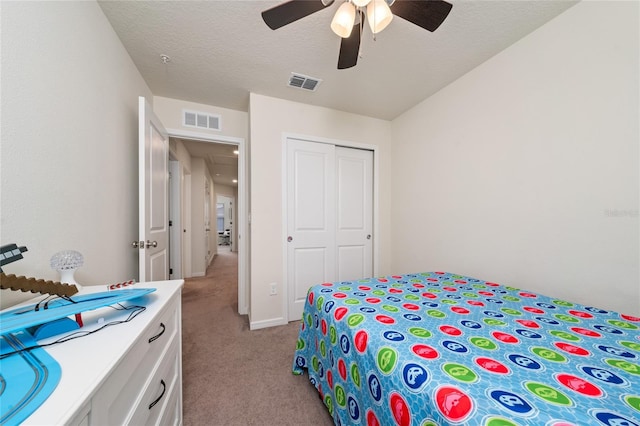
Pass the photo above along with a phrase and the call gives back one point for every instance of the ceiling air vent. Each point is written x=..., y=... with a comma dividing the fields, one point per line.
x=305, y=82
x=201, y=120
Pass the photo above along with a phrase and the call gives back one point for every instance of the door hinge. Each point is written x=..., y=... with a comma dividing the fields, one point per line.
x=170, y=271
x=170, y=223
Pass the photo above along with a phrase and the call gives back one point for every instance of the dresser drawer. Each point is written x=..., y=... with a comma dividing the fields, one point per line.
x=108, y=376
x=119, y=395
x=172, y=414
x=81, y=418
x=161, y=392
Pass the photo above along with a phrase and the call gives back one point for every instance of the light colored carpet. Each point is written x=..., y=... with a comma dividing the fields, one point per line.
x=234, y=376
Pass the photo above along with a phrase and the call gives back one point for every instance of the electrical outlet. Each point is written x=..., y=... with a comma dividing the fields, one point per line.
x=274, y=289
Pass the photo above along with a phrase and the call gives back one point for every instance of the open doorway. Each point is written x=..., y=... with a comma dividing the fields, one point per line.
x=225, y=213
x=207, y=168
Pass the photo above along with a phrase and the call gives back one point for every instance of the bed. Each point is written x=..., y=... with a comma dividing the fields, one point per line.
x=437, y=348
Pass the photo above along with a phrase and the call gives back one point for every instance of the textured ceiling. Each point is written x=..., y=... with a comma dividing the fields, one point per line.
x=222, y=50
x=219, y=158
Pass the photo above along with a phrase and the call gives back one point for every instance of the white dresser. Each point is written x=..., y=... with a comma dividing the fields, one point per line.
x=128, y=373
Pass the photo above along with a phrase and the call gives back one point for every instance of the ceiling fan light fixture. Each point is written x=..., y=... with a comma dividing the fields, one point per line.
x=360, y=3
x=343, y=20
x=426, y=14
x=379, y=15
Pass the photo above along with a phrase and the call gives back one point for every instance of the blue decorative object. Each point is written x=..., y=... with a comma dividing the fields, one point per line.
x=28, y=378
x=53, y=328
x=28, y=374
x=33, y=315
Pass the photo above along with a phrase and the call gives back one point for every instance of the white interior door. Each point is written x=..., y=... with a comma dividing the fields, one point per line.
x=153, y=158
x=354, y=216
x=311, y=219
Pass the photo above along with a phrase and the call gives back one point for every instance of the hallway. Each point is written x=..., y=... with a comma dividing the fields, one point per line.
x=234, y=376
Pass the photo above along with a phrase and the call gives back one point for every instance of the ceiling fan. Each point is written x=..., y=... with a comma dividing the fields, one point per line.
x=348, y=22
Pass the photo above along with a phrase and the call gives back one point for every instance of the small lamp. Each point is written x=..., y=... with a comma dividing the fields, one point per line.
x=66, y=262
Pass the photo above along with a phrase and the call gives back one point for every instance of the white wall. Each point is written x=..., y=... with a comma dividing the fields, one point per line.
x=169, y=111
x=210, y=219
x=270, y=118
x=69, y=141
x=198, y=252
x=525, y=170
x=180, y=152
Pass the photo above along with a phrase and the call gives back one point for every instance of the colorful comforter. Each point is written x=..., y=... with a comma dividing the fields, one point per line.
x=442, y=349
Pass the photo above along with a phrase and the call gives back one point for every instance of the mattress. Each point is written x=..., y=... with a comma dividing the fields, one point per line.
x=437, y=348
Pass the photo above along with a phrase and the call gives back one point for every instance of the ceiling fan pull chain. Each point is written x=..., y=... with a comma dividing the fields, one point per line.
x=374, y=20
x=361, y=29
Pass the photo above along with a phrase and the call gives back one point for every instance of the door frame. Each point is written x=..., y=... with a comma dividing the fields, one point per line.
x=376, y=168
x=176, y=239
x=242, y=206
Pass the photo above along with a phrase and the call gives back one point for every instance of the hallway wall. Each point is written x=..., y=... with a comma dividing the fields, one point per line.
x=69, y=125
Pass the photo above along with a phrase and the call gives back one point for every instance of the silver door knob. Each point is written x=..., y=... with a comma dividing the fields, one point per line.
x=368, y=236
x=138, y=244
x=152, y=244
x=289, y=238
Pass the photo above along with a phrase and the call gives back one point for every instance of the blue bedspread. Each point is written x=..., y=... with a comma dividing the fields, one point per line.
x=443, y=349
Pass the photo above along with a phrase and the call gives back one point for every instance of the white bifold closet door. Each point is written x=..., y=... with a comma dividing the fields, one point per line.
x=329, y=217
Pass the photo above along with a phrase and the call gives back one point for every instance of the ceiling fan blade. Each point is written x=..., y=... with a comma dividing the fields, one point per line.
x=292, y=10
x=428, y=14
x=350, y=47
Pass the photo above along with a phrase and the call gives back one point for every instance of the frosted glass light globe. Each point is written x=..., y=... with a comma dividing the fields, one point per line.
x=343, y=20
x=379, y=15
x=66, y=262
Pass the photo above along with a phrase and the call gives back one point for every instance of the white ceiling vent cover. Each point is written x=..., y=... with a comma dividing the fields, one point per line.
x=201, y=120
x=305, y=82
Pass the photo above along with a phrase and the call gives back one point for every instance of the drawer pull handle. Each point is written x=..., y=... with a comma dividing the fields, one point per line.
x=164, y=388
x=151, y=339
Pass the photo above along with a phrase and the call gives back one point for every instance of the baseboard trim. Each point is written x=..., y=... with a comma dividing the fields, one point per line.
x=256, y=325
x=198, y=274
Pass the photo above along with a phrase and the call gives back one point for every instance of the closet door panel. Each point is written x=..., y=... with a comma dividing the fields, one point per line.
x=354, y=197
x=310, y=265
x=329, y=217
x=310, y=219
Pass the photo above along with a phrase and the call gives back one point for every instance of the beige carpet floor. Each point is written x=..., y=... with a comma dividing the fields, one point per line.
x=235, y=376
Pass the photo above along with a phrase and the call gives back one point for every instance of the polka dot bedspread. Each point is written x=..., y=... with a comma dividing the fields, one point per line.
x=437, y=348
